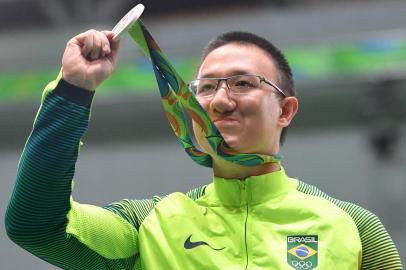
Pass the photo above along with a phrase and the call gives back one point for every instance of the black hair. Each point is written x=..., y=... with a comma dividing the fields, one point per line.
x=285, y=78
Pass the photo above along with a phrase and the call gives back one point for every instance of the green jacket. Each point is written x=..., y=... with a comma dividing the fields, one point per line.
x=269, y=221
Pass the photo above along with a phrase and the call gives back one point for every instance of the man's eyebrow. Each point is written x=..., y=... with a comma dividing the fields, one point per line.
x=232, y=73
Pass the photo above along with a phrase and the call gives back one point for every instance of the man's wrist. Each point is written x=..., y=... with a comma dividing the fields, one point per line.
x=74, y=93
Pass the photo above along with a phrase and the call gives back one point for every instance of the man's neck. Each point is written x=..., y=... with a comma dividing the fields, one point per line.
x=228, y=170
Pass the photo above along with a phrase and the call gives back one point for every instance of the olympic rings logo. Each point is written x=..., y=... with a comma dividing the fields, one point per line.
x=302, y=264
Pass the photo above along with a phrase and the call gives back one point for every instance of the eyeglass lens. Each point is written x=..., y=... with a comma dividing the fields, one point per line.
x=238, y=84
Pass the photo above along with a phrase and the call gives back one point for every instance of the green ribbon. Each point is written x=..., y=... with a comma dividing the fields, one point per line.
x=177, y=99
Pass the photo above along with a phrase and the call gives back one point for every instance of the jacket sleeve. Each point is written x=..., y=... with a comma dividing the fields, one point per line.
x=42, y=217
x=378, y=249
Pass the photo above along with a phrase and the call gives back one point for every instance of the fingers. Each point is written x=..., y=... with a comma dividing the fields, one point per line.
x=93, y=44
x=95, y=52
x=87, y=45
x=90, y=58
x=114, y=46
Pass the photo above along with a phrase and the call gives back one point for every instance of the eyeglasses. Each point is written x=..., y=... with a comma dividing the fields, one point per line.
x=238, y=85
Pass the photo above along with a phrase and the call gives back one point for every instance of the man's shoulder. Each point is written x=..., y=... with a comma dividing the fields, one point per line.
x=372, y=232
x=359, y=214
x=137, y=210
x=180, y=197
x=196, y=193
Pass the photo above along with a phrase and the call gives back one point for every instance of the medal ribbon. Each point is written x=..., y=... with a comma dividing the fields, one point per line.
x=177, y=99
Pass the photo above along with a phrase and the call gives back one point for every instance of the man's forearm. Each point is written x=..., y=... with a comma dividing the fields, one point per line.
x=40, y=201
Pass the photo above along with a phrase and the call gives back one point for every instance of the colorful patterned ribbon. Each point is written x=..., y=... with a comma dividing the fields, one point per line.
x=177, y=98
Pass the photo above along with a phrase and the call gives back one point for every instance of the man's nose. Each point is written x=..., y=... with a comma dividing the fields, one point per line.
x=223, y=88
x=222, y=84
x=222, y=101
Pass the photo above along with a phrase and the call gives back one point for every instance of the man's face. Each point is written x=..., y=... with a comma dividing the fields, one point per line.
x=248, y=123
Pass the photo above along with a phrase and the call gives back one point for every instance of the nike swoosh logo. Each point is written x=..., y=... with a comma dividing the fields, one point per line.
x=189, y=244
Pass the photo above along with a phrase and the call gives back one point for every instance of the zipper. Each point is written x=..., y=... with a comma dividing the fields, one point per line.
x=245, y=234
x=245, y=199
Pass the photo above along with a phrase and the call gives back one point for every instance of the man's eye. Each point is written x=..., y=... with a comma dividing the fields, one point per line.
x=206, y=87
x=244, y=83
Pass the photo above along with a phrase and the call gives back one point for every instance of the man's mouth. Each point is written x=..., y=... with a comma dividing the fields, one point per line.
x=225, y=120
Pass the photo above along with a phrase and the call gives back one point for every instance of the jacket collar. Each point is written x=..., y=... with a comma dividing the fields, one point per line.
x=253, y=190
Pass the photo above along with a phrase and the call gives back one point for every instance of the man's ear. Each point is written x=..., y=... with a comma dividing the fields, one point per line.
x=289, y=107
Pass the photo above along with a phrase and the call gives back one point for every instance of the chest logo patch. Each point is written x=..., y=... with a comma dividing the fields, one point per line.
x=190, y=245
x=302, y=251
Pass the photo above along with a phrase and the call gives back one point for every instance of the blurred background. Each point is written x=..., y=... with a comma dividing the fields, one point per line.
x=349, y=62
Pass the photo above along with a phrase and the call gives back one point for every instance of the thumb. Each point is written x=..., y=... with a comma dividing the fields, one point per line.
x=114, y=46
x=109, y=34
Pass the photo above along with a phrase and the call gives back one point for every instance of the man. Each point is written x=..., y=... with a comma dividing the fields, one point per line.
x=250, y=217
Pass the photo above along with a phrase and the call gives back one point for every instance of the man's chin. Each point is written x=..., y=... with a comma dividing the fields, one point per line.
x=234, y=144
x=241, y=148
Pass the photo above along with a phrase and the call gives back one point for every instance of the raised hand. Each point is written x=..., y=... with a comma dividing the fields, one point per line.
x=90, y=58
